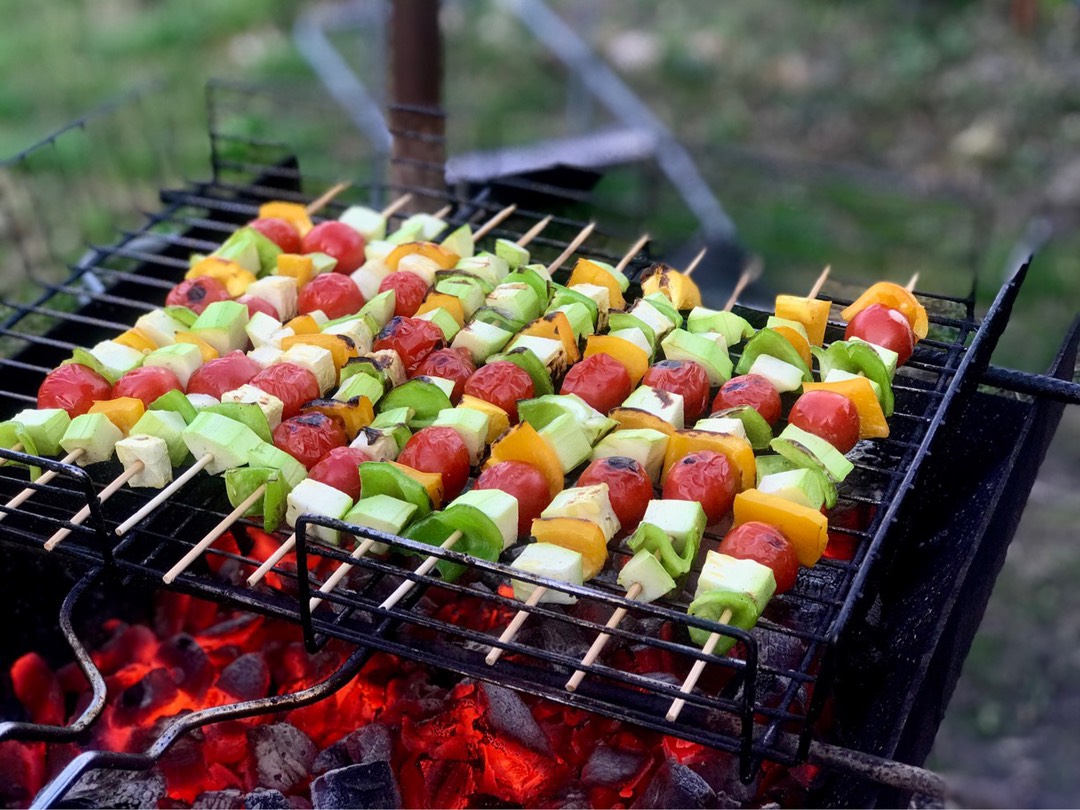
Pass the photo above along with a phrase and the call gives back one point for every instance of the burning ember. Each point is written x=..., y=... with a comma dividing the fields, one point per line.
x=398, y=734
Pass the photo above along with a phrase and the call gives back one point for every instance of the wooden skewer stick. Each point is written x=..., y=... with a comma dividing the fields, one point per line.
x=212, y=535
x=164, y=495
x=15, y=448
x=494, y=222
x=397, y=205
x=572, y=247
x=749, y=274
x=272, y=560
x=515, y=625
x=910, y=286
x=442, y=212
x=319, y=203
x=339, y=574
x=633, y=251
x=601, y=641
x=534, y=231
x=820, y=282
x=80, y=516
x=421, y=570
x=44, y=478
x=695, y=671
x=694, y=262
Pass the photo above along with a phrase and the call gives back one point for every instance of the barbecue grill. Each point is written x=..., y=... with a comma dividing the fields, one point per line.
x=872, y=645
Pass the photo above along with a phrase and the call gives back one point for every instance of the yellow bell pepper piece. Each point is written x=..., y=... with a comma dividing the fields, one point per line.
x=432, y=482
x=235, y=278
x=682, y=290
x=872, y=423
x=736, y=449
x=523, y=443
x=339, y=346
x=451, y=303
x=806, y=529
x=812, y=313
x=498, y=419
x=355, y=414
x=633, y=358
x=797, y=341
x=576, y=534
x=207, y=351
x=586, y=272
x=293, y=213
x=636, y=418
x=302, y=268
x=304, y=325
x=123, y=412
x=445, y=259
x=136, y=339
x=556, y=326
x=895, y=297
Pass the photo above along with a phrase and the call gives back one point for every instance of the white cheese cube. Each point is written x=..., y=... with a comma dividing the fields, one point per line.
x=592, y=503
x=419, y=265
x=722, y=424
x=357, y=330
x=160, y=327
x=317, y=360
x=552, y=562
x=653, y=318
x=783, y=376
x=266, y=355
x=280, y=291
x=153, y=452
x=369, y=276
x=261, y=330
x=271, y=406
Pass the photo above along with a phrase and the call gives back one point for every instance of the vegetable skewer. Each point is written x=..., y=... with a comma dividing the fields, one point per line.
x=79, y=517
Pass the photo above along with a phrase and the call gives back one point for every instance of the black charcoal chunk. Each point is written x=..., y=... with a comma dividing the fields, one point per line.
x=218, y=800
x=675, y=785
x=330, y=759
x=608, y=767
x=246, y=678
x=283, y=755
x=125, y=789
x=508, y=714
x=372, y=785
x=263, y=799
x=372, y=743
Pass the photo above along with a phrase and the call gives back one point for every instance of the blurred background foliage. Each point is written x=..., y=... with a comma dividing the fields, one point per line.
x=861, y=134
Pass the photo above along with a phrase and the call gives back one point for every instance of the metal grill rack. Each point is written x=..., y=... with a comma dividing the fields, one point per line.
x=776, y=681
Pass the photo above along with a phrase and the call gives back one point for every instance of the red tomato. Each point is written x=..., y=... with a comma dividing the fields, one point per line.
x=600, y=380
x=886, y=327
x=340, y=469
x=74, y=388
x=256, y=304
x=629, y=487
x=338, y=240
x=829, y=415
x=706, y=477
x=501, y=383
x=222, y=374
x=765, y=544
x=147, y=383
x=290, y=383
x=525, y=482
x=412, y=338
x=409, y=291
x=682, y=377
x=753, y=390
x=279, y=231
x=336, y=295
x=197, y=293
x=451, y=364
x=439, y=450
x=309, y=437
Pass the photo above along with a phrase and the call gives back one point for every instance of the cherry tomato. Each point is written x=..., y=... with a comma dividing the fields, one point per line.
x=706, y=477
x=501, y=383
x=525, y=482
x=409, y=291
x=681, y=377
x=222, y=374
x=753, y=390
x=600, y=380
x=309, y=437
x=439, y=450
x=340, y=469
x=279, y=231
x=292, y=384
x=451, y=364
x=256, y=304
x=829, y=415
x=412, y=338
x=336, y=295
x=629, y=487
x=147, y=383
x=765, y=544
x=338, y=240
x=886, y=327
x=197, y=294
x=74, y=388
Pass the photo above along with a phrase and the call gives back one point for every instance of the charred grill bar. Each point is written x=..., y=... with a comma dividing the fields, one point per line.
x=879, y=653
